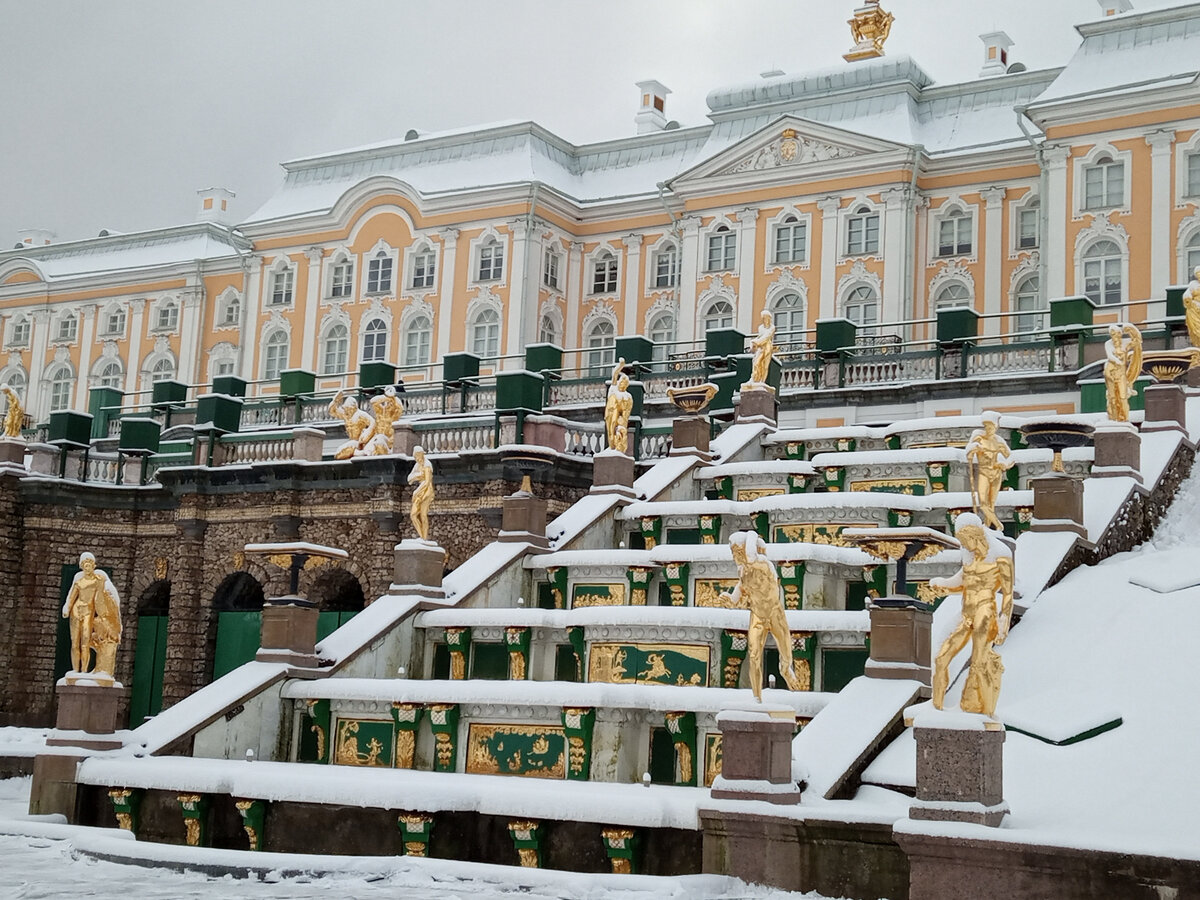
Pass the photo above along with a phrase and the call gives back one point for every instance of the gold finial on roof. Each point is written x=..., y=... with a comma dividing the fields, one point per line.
x=870, y=27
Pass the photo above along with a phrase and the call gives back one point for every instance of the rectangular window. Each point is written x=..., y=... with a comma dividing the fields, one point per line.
x=1027, y=228
x=1193, y=174
x=791, y=242
x=1102, y=280
x=115, y=324
x=343, y=280
x=604, y=275
x=954, y=236
x=424, y=270
x=666, y=269
x=1104, y=185
x=722, y=251
x=491, y=262
x=379, y=275
x=862, y=235
x=550, y=270
x=281, y=288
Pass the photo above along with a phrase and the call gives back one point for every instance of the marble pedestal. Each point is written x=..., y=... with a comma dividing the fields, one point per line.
x=289, y=632
x=900, y=640
x=691, y=436
x=612, y=473
x=1118, y=451
x=88, y=708
x=960, y=768
x=418, y=568
x=756, y=755
x=1058, y=504
x=760, y=404
x=524, y=519
x=1166, y=407
x=12, y=452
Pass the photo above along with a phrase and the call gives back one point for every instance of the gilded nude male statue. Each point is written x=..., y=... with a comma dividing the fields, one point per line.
x=988, y=457
x=387, y=409
x=618, y=407
x=1191, y=308
x=360, y=426
x=93, y=608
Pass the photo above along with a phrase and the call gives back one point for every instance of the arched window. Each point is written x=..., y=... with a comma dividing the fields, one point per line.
x=114, y=322
x=862, y=232
x=375, y=337
x=788, y=310
x=662, y=333
x=417, y=339
x=953, y=294
x=666, y=267
x=162, y=370
x=862, y=307
x=110, y=375
x=275, y=354
x=68, y=327
x=1193, y=254
x=62, y=380
x=232, y=311
x=335, y=350
x=718, y=315
x=548, y=329
x=722, y=249
x=1102, y=273
x=1029, y=304
x=604, y=274
x=485, y=334
x=168, y=316
x=16, y=380
x=379, y=273
x=600, y=342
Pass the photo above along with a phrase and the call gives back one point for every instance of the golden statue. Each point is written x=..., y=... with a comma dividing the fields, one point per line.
x=758, y=589
x=94, y=610
x=422, y=498
x=763, y=345
x=988, y=457
x=618, y=407
x=870, y=27
x=987, y=570
x=14, y=418
x=360, y=426
x=1191, y=308
x=1122, y=366
x=387, y=409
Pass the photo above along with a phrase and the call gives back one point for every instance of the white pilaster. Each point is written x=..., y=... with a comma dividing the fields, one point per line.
x=993, y=250
x=191, y=303
x=87, y=337
x=689, y=270
x=631, y=296
x=1160, y=211
x=312, y=307
x=574, y=281
x=531, y=284
x=920, y=251
x=514, y=321
x=829, y=207
x=1055, y=204
x=445, y=303
x=747, y=228
x=251, y=333
x=891, y=304
x=137, y=327
x=39, y=340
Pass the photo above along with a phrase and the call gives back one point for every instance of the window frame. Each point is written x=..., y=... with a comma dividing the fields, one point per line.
x=790, y=225
x=371, y=339
x=605, y=273
x=68, y=329
x=283, y=350
x=490, y=341
x=955, y=233
x=551, y=261
x=381, y=272
x=665, y=266
x=490, y=251
x=710, y=312
x=340, y=332
x=852, y=299
x=341, y=278
x=721, y=249
x=61, y=388
x=423, y=335
x=1102, y=265
x=283, y=286
x=20, y=332
x=868, y=221
x=600, y=345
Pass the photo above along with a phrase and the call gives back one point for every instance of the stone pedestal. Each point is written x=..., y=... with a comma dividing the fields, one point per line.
x=524, y=520
x=1118, y=451
x=12, y=452
x=759, y=404
x=289, y=632
x=612, y=473
x=54, y=789
x=308, y=444
x=900, y=639
x=418, y=568
x=131, y=470
x=960, y=768
x=1192, y=378
x=1166, y=407
x=1058, y=504
x=43, y=459
x=756, y=755
x=405, y=439
x=88, y=708
x=690, y=436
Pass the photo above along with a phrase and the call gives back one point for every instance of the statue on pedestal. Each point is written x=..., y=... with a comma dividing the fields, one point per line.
x=360, y=426
x=758, y=589
x=1191, y=308
x=422, y=498
x=989, y=458
x=93, y=607
x=987, y=571
x=1122, y=366
x=763, y=346
x=14, y=417
x=618, y=407
x=387, y=409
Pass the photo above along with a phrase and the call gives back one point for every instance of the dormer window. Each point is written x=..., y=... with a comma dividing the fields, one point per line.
x=604, y=274
x=379, y=273
x=343, y=279
x=68, y=327
x=232, y=312
x=722, y=249
x=862, y=232
x=281, y=287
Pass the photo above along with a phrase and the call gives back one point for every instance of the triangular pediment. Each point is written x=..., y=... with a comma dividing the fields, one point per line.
x=789, y=142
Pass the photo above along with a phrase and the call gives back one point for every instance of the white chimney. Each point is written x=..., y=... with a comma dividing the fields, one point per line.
x=215, y=205
x=35, y=237
x=995, y=56
x=651, y=114
x=1115, y=7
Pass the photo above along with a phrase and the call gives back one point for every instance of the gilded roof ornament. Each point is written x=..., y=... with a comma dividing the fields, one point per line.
x=870, y=27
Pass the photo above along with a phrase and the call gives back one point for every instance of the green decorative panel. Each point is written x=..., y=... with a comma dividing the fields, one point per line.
x=139, y=436
x=724, y=342
x=791, y=577
x=364, y=742
x=912, y=487
x=526, y=836
x=70, y=429
x=957, y=324
x=218, y=412
x=416, y=830
x=544, y=358
x=762, y=524
x=635, y=348
x=575, y=635
x=734, y=645
x=651, y=531
x=900, y=518
x=682, y=728
x=459, y=367
x=407, y=719
x=796, y=450
x=539, y=751
x=127, y=803
x=254, y=814
x=724, y=487
x=623, y=846
x=314, y=732
x=167, y=392
x=639, y=585
x=458, y=642
x=1071, y=311
x=557, y=576
x=443, y=721
x=489, y=661
x=585, y=595
x=578, y=725
x=893, y=442
x=833, y=478
x=230, y=386
x=376, y=375
x=519, y=390
x=797, y=484
x=516, y=641
x=194, y=808
x=710, y=529
x=834, y=334
x=845, y=444
x=939, y=477
x=628, y=663
x=297, y=382
x=675, y=575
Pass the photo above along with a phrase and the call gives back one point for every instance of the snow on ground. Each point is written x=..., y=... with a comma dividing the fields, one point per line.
x=45, y=859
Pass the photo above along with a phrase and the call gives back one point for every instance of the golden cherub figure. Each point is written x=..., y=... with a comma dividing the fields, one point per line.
x=758, y=587
x=1122, y=366
x=987, y=571
x=1191, y=308
x=422, y=498
x=360, y=426
x=763, y=346
x=14, y=418
x=989, y=458
x=618, y=407
x=93, y=609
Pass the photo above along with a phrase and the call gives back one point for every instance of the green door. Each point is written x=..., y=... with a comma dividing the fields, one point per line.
x=239, y=633
x=329, y=621
x=840, y=667
x=662, y=756
x=149, y=662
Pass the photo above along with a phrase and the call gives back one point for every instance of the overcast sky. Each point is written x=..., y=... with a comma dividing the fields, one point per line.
x=112, y=114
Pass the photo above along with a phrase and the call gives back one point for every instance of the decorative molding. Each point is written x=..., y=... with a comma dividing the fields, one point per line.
x=602, y=310
x=1102, y=227
x=485, y=298
x=789, y=149
x=1030, y=262
x=859, y=274
x=953, y=271
x=786, y=282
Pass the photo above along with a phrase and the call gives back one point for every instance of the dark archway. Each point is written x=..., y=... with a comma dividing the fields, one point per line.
x=240, y=592
x=238, y=603
x=150, y=652
x=339, y=595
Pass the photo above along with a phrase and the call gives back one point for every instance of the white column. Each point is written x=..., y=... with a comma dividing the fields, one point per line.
x=632, y=295
x=136, y=328
x=747, y=228
x=445, y=304
x=312, y=307
x=829, y=207
x=689, y=269
x=891, y=304
x=192, y=303
x=87, y=338
x=514, y=323
x=920, y=252
x=1056, y=251
x=251, y=333
x=39, y=339
x=532, y=283
x=993, y=250
x=574, y=277
x=1160, y=211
